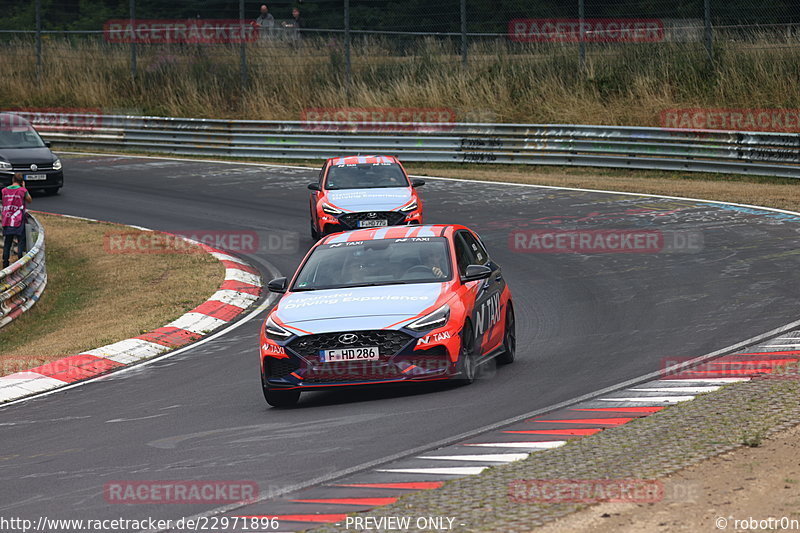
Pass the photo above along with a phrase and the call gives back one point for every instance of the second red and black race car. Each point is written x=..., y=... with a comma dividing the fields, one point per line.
x=386, y=305
x=363, y=192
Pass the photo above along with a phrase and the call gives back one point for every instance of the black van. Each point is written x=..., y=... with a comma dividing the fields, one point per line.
x=23, y=150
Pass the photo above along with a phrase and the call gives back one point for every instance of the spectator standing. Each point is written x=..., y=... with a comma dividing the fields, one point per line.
x=14, y=198
x=265, y=22
x=299, y=23
x=295, y=24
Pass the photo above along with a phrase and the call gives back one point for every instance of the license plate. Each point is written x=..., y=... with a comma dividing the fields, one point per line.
x=35, y=177
x=372, y=223
x=369, y=353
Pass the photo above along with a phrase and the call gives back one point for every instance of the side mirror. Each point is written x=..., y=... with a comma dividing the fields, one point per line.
x=278, y=285
x=476, y=272
x=314, y=187
x=417, y=183
x=48, y=144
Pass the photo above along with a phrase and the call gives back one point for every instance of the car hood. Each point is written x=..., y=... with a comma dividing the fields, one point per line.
x=22, y=156
x=357, y=308
x=379, y=199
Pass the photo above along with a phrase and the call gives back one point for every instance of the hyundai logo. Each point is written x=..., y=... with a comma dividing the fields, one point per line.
x=34, y=168
x=372, y=215
x=348, y=338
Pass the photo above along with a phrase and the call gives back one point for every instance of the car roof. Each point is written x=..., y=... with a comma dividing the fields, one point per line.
x=362, y=159
x=393, y=232
x=11, y=118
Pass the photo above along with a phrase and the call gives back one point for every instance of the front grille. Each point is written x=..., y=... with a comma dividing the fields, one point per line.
x=27, y=168
x=350, y=220
x=278, y=368
x=388, y=342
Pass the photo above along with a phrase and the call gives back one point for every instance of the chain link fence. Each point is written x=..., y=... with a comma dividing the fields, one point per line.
x=371, y=43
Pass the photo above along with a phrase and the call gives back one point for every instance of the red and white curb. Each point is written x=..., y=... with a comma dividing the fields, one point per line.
x=357, y=493
x=240, y=289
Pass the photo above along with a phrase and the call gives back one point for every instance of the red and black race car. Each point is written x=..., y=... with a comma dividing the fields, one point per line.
x=363, y=192
x=386, y=305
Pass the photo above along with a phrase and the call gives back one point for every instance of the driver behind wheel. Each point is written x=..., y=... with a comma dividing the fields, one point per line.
x=433, y=259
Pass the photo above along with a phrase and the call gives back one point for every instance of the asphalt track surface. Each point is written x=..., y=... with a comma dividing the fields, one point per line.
x=585, y=321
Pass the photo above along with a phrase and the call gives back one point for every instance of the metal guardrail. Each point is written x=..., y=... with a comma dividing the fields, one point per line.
x=22, y=283
x=759, y=153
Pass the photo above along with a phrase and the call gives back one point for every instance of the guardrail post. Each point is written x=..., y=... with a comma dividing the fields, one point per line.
x=38, y=39
x=133, y=38
x=709, y=35
x=348, y=69
x=582, y=38
x=242, y=51
x=464, y=44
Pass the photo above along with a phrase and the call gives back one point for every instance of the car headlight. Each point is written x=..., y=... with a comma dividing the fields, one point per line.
x=432, y=320
x=328, y=208
x=5, y=165
x=57, y=164
x=409, y=207
x=276, y=332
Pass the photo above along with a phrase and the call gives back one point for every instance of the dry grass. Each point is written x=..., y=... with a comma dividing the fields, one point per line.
x=625, y=85
x=95, y=298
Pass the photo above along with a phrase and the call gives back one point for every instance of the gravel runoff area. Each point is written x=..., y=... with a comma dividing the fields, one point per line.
x=649, y=448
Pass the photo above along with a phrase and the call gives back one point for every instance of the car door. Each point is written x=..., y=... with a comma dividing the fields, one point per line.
x=486, y=313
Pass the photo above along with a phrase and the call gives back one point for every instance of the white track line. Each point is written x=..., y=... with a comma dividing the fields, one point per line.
x=690, y=390
x=537, y=445
x=446, y=471
x=781, y=345
x=651, y=399
x=488, y=457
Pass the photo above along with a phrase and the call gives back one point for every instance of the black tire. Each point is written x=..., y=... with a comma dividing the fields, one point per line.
x=314, y=233
x=279, y=398
x=467, y=369
x=509, y=339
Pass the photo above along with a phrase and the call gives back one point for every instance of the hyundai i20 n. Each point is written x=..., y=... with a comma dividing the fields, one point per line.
x=386, y=306
x=363, y=192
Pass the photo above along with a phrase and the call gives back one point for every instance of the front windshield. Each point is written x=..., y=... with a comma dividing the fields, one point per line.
x=365, y=176
x=378, y=262
x=19, y=136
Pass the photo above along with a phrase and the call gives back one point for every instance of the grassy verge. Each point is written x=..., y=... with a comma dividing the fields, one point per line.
x=504, y=82
x=95, y=298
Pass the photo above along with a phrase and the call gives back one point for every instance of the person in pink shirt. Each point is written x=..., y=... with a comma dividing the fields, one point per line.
x=14, y=198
